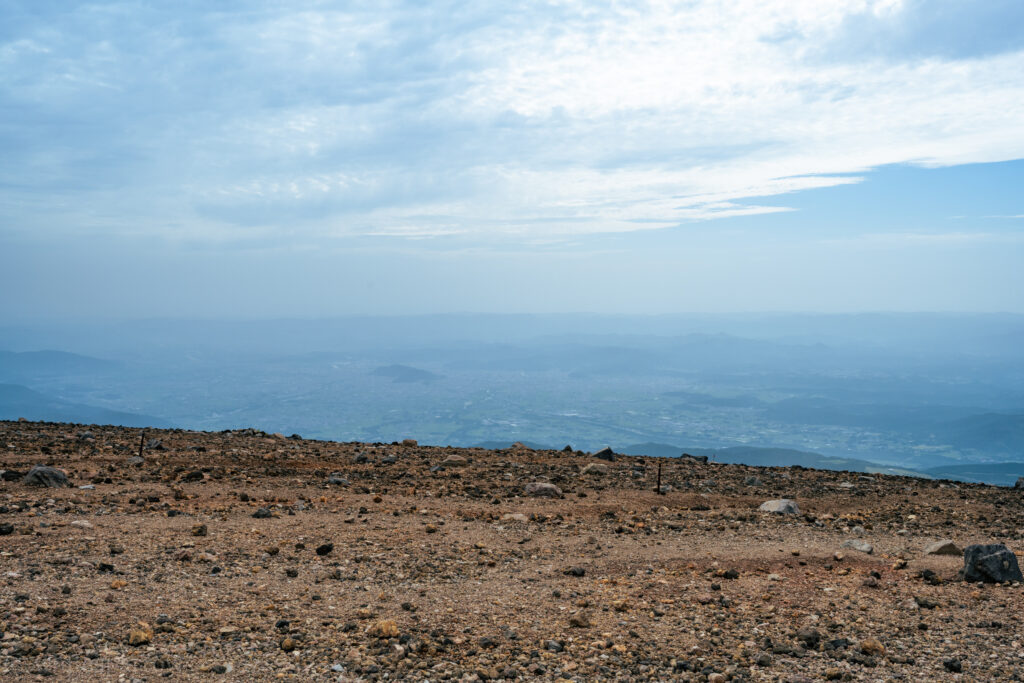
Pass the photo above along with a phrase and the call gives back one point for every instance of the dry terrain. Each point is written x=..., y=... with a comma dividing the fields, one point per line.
x=249, y=556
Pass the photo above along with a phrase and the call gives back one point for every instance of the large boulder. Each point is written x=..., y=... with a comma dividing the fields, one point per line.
x=783, y=506
x=1020, y=483
x=605, y=453
x=50, y=477
x=595, y=468
x=542, y=489
x=993, y=563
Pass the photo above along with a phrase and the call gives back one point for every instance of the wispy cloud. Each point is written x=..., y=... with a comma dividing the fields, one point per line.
x=537, y=119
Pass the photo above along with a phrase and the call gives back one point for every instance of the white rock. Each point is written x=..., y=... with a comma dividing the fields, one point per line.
x=783, y=506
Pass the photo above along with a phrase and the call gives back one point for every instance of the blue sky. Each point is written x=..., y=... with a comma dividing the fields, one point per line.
x=321, y=158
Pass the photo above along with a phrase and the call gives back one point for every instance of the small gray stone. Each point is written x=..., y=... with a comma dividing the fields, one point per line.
x=944, y=547
x=542, y=489
x=859, y=545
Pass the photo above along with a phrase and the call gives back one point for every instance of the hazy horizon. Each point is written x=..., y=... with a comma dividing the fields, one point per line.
x=793, y=224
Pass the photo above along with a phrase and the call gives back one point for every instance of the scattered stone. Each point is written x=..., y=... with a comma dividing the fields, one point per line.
x=595, y=468
x=140, y=634
x=810, y=637
x=324, y=549
x=579, y=620
x=953, y=664
x=605, y=453
x=262, y=513
x=873, y=647
x=384, y=629
x=199, y=530
x=753, y=481
x=455, y=461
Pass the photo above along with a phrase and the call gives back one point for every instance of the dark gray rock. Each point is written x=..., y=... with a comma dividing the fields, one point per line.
x=1020, y=483
x=50, y=477
x=993, y=563
x=605, y=453
x=698, y=458
x=262, y=513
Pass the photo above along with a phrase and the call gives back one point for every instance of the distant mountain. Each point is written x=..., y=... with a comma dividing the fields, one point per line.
x=768, y=457
x=19, y=401
x=15, y=366
x=1002, y=474
x=406, y=374
x=991, y=433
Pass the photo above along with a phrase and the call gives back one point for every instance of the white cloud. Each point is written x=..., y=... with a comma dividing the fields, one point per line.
x=555, y=118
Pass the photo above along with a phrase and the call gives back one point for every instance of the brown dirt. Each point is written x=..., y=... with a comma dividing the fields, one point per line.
x=472, y=595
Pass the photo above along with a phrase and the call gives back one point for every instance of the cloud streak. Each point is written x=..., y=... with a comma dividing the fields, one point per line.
x=324, y=119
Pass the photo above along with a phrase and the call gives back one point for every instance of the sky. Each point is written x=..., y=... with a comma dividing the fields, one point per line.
x=268, y=159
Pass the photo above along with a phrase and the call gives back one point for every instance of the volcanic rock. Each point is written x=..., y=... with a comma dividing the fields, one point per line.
x=50, y=477
x=992, y=563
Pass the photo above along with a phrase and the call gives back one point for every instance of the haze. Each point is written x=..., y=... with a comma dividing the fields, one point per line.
x=782, y=232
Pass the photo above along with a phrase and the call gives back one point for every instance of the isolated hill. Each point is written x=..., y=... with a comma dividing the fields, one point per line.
x=18, y=401
x=990, y=432
x=406, y=374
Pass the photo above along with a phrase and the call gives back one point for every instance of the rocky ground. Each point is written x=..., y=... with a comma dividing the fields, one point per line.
x=248, y=556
